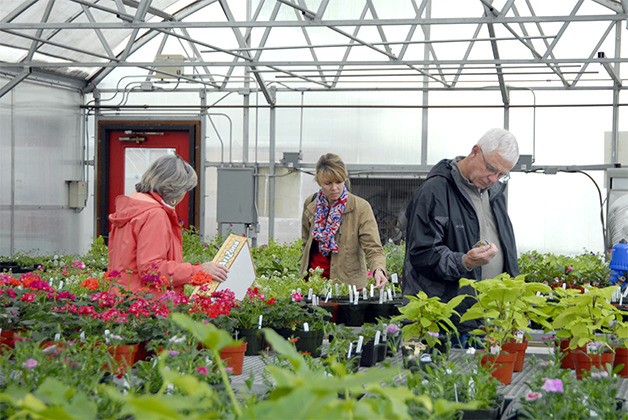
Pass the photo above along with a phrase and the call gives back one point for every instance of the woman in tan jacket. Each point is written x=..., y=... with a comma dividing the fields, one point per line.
x=339, y=230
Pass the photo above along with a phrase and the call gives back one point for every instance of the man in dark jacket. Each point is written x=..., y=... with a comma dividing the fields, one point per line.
x=458, y=225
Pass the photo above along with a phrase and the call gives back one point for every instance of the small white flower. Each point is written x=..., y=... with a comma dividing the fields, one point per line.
x=471, y=350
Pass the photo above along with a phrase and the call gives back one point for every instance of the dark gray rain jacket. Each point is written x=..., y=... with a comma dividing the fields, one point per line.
x=442, y=226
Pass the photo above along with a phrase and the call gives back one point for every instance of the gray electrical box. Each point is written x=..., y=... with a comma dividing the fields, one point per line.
x=77, y=194
x=236, y=196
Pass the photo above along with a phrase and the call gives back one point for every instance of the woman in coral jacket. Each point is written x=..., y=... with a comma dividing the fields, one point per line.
x=145, y=242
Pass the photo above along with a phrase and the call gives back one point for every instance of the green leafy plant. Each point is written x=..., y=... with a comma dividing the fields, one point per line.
x=585, y=269
x=507, y=305
x=278, y=259
x=427, y=317
x=443, y=379
x=585, y=317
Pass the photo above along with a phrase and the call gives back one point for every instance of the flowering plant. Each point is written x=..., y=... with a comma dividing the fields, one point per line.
x=555, y=393
x=585, y=269
x=212, y=304
x=247, y=311
x=475, y=386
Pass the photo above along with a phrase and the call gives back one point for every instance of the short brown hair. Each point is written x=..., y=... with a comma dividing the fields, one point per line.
x=331, y=165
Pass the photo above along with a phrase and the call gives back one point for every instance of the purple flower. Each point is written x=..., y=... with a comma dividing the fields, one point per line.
x=392, y=329
x=553, y=385
x=173, y=353
x=533, y=396
x=30, y=363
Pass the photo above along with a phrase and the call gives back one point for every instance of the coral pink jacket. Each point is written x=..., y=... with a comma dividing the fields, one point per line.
x=145, y=242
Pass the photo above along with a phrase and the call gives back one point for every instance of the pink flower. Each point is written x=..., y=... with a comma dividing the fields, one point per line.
x=392, y=329
x=202, y=370
x=297, y=297
x=173, y=353
x=533, y=396
x=570, y=268
x=30, y=363
x=27, y=297
x=553, y=385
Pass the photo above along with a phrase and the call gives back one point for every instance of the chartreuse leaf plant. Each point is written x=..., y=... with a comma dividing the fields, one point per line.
x=587, y=317
x=427, y=317
x=507, y=305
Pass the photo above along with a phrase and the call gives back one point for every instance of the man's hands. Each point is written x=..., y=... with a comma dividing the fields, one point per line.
x=217, y=271
x=480, y=255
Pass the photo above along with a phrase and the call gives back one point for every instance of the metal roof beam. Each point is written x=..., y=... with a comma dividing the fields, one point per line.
x=500, y=76
x=35, y=44
x=242, y=43
x=312, y=23
x=523, y=41
x=140, y=15
x=274, y=63
x=14, y=82
x=593, y=53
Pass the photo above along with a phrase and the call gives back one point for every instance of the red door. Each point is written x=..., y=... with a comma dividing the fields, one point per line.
x=129, y=152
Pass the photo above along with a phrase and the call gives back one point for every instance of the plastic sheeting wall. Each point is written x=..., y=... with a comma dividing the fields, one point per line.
x=40, y=149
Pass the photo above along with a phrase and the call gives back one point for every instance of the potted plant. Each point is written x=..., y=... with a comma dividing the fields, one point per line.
x=475, y=387
x=371, y=351
x=506, y=305
x=555, y=393
x=428, y=319
x=586, y=320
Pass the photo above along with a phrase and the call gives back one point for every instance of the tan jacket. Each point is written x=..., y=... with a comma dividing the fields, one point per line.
x=357, y=239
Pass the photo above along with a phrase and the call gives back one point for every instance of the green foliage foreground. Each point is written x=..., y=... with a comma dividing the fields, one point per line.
x=301, y=389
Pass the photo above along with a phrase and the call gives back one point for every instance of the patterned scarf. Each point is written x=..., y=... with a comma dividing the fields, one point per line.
x=327, y=221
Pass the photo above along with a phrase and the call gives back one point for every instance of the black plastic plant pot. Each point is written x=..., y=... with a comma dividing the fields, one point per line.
x=350, y=314
x=369, y=355
x=254, y=340
x=380, y=350
x=375, y=310
x=309, y=342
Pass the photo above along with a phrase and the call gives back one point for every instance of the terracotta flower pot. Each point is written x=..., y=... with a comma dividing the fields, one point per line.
x=8, y=339
x=621, y=358
x=501, y=365
x=584, y=361
x=123, y=357
x=520, y=350
x=567, y=354
x=233, y=356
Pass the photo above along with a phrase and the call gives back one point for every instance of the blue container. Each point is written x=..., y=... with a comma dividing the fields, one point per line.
x=619, y=257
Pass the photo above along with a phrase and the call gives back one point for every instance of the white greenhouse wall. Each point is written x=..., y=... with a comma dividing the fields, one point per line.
x=41, y=148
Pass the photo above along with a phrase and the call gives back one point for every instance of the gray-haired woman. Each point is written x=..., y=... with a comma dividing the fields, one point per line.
x=145, y=242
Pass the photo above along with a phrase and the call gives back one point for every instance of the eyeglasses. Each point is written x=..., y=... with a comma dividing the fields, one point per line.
x=502, y=177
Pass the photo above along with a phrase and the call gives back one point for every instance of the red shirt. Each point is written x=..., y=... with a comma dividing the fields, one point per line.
x=318, y=260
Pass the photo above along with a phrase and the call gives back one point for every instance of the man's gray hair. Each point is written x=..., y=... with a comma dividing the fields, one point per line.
x=170, y=177
x=501, y=141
